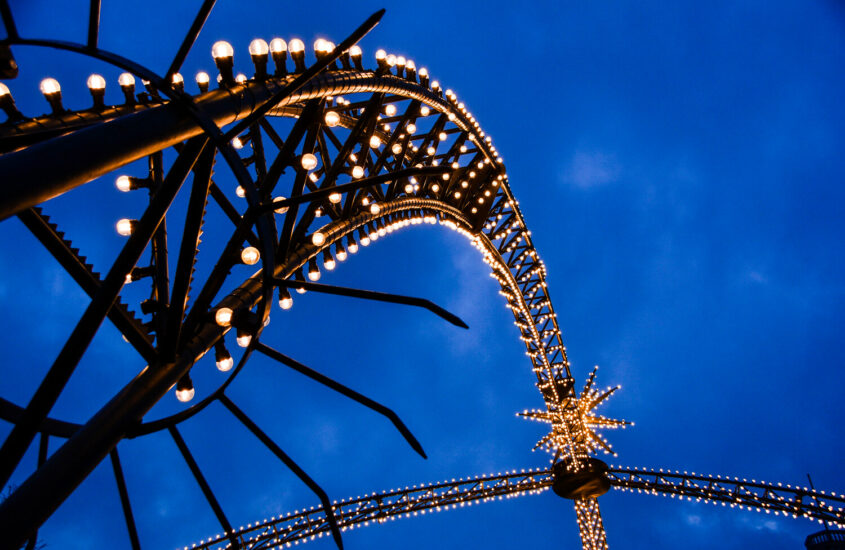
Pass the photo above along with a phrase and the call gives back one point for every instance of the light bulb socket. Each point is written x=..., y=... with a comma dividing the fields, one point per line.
x=226, y=67
x=298, y=60
x=220, y=351
x=356, y=61
x=7, y=103
x=55, y=101
x=260, y=62
x=99, y=97
x=279, y=59
x=338, y=247
x=139, y=273
x=185, y=383
x=128, y=93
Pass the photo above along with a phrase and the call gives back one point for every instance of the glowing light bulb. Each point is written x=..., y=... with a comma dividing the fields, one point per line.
x=240, y=191
x=243, y=339
x=281, y=209
x=277, y=45
x=126, y=79
x=355, y=51
x=332, y=118
x=177, y=79
x=321, y=45
x=285, y=301
x=409, y=188
x=123, y=183
x=380, y=54
x=391, y=60
x=308, y=161
x=334, y=198
x=390, y=110
x=124, y=226
x=221, y=50
x=225, y=364
x=424, y=110
x=296, y=45
x=317, y=239
x=185, y=394
x=397, y=148
x=50, y=86
x=223, y=316
x=4, y=90
x=375, y=208
x=241, y=78
x=314, y=274
x=375, y=142
x=329, y=264
x=237, y=143
x=435, y=188
x=96, y=82
x=250, y=255
x=442, y=136
x=258, y=47
x=202, y=77
x=357, y=172
x=411, y=128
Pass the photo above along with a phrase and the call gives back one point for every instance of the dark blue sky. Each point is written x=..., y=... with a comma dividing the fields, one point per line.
x=681, y=170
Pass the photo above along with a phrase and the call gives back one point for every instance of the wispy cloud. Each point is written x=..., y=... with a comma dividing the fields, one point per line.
x=589, y=169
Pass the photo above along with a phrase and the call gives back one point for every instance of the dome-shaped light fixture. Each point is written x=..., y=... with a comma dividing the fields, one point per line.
x=223, y=55
x=297, y=53
x=127, y=86
x=222, y=357
x=53, y=94
x=185, y=389
x=259, y=52
x=285, y=300
x=202, y=79
x=125, y=226
x=223, y=316
x=97, y=86
x=279, y=51
x=308, y=161
x=250, y=255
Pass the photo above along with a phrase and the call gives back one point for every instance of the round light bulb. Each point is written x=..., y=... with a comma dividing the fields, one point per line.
x=225, y=364
x=335, y=198
x=177, y=78
x=124, y=227
x=375, y=142
x=409, y=188
x=322, y=45
x=314, y=275
x=4, y=90
x=341, y=255
x=202, y=77
x=243, y=340
x=353, y=248
x=332, y=118
x=355, y=51
x=391, y=60
x=222, y=49
x=357, y=172
x=411, y=128
x=296, y=45
x=96, y=82
x=50, y=86
x=375, y=208
x=423, y=71
x=126, y=79
x=317, y=239
x=123, y=183
x=424, y=110
x=184, y=395
x=442, y=136
x=250, y=255
x=223, y=316
x=258, y=47
x=240, y=191
x=286, y=302
x=241, y=78
x=435, y=188
x=237, y=143
x=308, y=161
x=329, y=264
x=380, y=54
x=278, y=45
x=390, y=110
x=397, y=148
x=281, y=209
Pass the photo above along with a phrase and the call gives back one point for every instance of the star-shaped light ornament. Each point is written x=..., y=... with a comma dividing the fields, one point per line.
x=573, y=422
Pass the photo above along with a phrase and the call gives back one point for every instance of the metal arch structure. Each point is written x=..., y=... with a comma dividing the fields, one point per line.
x=412, y=154
x=301, y=526
x=402, y=152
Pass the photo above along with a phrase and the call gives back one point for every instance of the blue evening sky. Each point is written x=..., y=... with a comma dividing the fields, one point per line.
x=680, y=166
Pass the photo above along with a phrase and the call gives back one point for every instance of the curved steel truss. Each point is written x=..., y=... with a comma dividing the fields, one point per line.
x=304, y=525
x=367, y=153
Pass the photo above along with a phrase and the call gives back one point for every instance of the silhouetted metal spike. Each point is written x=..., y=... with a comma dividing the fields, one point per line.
x=340, y=388
x=300, y=473
x=373, y=295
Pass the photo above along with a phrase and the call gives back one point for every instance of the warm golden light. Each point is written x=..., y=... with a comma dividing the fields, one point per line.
x=296, y=45
x=334, y=198
x=277, y=45
x=123, y=183
x=332, y=118
x=50, y=86
x=223, y=316
x=125, y=226
x=357, y=172
x=185, y=394
x=258, y=47
x=225, y=364
x=317, y=239
x=96, y=82
x=250, y=255
x=221, y=50
x=309, y=161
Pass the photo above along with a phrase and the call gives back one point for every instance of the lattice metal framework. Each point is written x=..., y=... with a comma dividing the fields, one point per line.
x=370, y=152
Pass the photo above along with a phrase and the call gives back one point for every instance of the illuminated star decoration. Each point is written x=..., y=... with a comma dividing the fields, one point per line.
x=574, y=424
